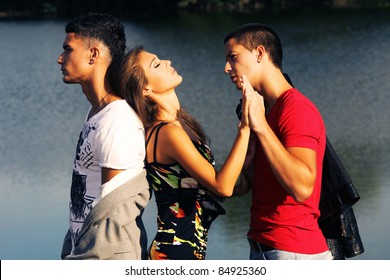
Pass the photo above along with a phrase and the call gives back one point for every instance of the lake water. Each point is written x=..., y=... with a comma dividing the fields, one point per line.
x=339, y=60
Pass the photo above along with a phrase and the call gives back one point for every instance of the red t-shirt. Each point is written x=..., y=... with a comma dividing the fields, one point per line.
x=277, y=220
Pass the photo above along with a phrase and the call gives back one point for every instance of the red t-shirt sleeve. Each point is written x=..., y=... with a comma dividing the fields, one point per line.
x=301, y=126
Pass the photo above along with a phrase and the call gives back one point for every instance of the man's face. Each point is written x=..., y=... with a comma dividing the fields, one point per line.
x=74, y=60
x=239, y=61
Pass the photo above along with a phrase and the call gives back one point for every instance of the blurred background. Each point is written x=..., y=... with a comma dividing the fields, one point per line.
x=61, y=8
x=336, y=52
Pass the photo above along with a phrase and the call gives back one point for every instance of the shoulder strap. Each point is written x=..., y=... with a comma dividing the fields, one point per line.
x=157, y=129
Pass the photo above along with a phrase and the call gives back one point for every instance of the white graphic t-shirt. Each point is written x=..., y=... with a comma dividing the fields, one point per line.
x=113, y=138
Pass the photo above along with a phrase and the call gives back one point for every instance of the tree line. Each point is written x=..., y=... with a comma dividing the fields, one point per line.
x=66, y=8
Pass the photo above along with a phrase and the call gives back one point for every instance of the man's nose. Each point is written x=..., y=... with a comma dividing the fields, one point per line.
x=59, y=60
x=227, y=67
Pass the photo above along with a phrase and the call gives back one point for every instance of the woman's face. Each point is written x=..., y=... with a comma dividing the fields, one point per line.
x=161, y=76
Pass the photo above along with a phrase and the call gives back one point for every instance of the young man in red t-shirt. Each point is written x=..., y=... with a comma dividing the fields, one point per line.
x=284, y=161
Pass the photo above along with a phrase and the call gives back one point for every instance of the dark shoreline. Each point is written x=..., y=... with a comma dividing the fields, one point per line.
x=54, y=14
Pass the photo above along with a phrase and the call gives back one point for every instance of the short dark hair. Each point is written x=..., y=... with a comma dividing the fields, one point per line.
x=103, y=27
x=253, y=35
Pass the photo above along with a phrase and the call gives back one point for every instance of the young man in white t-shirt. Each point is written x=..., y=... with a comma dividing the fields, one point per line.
x=109, y=189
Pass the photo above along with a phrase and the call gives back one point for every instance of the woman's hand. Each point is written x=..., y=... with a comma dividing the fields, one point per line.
x=246, y=100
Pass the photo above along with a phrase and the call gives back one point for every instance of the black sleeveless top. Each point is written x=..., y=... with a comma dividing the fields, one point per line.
x=185, y=208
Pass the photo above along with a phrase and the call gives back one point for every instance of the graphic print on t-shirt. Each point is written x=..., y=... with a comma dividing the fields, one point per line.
x=77, y=193
x=83, y=151
x=80, y=203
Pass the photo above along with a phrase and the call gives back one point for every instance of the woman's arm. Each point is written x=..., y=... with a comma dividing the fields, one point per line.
x=246, y=177
x=175, y=145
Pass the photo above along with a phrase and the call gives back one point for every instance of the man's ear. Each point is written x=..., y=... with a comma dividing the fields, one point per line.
x=94, y=54
x=260, y=50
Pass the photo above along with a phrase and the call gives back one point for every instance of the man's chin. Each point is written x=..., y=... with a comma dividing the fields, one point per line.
x=238, y=86
x=67, y=81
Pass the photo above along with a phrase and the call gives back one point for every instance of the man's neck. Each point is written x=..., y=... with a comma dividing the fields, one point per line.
x=274, y=86
x=95, y=91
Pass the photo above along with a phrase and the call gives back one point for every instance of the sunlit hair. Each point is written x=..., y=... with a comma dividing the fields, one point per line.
x=253, y=35
x=103, y=27
x=129, y=80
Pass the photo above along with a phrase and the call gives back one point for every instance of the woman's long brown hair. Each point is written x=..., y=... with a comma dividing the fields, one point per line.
x=128, y=80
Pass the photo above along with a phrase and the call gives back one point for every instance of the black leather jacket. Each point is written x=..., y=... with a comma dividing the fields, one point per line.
x=337, y=220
